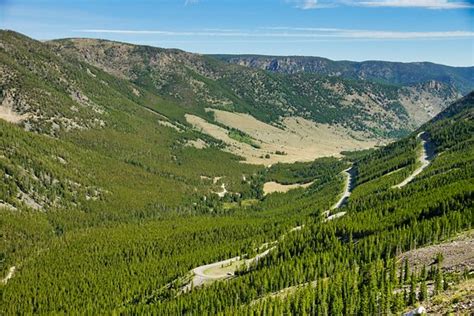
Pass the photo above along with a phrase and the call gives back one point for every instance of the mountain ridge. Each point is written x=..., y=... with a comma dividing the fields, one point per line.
x=190, y=83
x=214, y=83
x=404, y=73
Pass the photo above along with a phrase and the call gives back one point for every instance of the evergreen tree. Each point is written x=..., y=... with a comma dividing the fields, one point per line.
x=412, y=296
x=423, y=294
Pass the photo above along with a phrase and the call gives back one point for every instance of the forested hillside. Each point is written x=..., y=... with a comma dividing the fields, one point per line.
x=110, y=198
x=350, y=265
x=462, y=78
x=195, y=82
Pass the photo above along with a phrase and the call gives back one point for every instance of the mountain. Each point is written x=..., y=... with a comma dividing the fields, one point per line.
x=196, y=82
x=405, y=74
x=122, y=251
x=89, y=124
x=121, y=194
x=464, y=105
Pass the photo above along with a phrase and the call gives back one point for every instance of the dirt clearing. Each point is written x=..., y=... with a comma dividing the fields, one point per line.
x=272, y=187
x=7, y=113
x=10, y=274
x=458, y=254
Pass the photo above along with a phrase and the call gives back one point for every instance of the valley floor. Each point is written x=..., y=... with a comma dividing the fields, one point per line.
x=299, y=140
x=226, y=269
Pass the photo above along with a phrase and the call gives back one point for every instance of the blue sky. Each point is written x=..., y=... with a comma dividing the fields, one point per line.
x=440, y=31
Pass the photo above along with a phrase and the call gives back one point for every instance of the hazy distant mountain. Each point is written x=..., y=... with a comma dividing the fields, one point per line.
x=383, y=71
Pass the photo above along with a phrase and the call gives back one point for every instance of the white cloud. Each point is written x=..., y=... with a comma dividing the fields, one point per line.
x=189, y=2
x=427, y=4
x=310, y=4
x=296, y=33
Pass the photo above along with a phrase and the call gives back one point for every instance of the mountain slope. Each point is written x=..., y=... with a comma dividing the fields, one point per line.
x=195, y=82
x=105, y=205
x=461, y=78
x=116, y=121
x=351, y=265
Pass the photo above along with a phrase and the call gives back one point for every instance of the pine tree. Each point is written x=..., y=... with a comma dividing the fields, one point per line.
x=438, y=281
x=406, y=274
x=423, y=294
x=412, y=296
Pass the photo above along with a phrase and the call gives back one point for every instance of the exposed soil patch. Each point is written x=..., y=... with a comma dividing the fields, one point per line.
x=8, y=114
x=223, y=191
x=272, y=187
x=196, y=143
x=458, y=254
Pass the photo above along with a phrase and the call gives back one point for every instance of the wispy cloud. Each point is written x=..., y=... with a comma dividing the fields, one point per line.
x=307, y=4
x=294, y=33
x=310, y=4
x=427, y=4
x=189, y=2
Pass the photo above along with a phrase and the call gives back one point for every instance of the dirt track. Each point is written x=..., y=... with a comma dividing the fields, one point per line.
x=221, y=270
x=10, y=274
x=424, y=158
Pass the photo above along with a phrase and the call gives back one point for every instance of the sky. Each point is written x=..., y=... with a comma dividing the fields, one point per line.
x=440, y=31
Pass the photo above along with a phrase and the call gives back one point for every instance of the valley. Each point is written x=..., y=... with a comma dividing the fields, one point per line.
x=297, y=139
x=227, y=269
x=145, y=180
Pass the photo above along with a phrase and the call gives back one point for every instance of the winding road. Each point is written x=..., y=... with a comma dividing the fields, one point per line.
x=200, y=277
x=9, y=275
x=348, y=186
x=225, y=269
x=425, y=158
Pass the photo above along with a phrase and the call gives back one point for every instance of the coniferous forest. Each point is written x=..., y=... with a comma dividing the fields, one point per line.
x=106, y=209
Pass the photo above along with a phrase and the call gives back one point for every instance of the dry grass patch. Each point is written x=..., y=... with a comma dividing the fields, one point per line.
x=272, y=187
x=300, y=140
